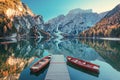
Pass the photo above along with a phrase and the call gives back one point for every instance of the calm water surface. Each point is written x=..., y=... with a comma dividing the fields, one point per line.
x=16, y=57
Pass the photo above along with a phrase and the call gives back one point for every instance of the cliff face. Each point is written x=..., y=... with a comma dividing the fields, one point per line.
x=16, y=18
x=109, y=26
x=76, y=21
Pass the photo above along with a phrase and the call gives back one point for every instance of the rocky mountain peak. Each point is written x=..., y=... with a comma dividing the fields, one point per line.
x=113, y=11
x=74, y=22
x=17, y=18
x=108, y=26
x=78, y=11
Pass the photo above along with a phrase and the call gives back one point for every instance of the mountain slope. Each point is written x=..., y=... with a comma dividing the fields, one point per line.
x=76, y=21
x=16, y=18
x=109, y=26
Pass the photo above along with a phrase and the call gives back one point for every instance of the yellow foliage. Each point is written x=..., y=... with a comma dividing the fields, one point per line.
x=5, y=29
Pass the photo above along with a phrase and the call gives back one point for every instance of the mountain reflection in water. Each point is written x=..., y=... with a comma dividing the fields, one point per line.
x=16, y=57
x=108, y=50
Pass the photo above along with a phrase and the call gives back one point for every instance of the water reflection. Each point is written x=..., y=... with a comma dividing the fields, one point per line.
x=83, y=70
x=108, y=50
x=27, y=74
x=16, y=57
x=72, y=48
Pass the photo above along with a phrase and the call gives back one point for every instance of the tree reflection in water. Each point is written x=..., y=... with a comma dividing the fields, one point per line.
x=17, y=56
x=108, y=50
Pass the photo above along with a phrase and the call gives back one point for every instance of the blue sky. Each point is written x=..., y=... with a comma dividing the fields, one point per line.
x=52, y=8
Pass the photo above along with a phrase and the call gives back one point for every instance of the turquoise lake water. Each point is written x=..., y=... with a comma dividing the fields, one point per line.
x=17, y=57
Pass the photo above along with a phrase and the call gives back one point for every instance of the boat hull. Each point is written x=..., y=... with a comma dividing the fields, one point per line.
x=39, y=65
x=80, y=63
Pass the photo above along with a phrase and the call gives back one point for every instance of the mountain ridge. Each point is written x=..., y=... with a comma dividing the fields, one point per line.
x=17, y=19
x=74, y=22
x=108, y=26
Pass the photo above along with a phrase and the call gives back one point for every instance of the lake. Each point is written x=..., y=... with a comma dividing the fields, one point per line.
x=16, y=57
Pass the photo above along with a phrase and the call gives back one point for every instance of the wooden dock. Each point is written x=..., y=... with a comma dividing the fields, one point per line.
x=57, y=69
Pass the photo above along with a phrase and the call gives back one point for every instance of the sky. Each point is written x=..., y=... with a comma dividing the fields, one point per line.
x=52, y=8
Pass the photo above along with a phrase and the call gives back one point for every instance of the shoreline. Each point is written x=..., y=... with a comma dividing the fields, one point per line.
x=114, y=39
x=101, y=38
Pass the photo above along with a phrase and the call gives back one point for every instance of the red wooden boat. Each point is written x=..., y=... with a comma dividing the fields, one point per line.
x=39, y=65
x=83, y=64
x=7, y=42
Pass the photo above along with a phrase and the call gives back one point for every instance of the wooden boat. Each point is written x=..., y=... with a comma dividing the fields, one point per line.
x=83, y=64
x=83, y=70
x=9, y=42
x=39, y=65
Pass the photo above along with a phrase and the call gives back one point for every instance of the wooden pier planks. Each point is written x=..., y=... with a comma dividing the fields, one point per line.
x=57, y=69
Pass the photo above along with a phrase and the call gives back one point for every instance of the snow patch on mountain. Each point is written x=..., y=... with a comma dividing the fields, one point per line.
x=76, y=21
